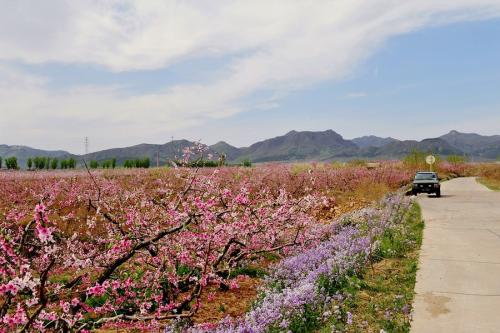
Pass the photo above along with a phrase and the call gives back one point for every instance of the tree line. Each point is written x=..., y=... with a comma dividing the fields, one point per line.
x=10, y=163
x=108, y=164
x=43, y=162
x=48, y=163
x=137, y=163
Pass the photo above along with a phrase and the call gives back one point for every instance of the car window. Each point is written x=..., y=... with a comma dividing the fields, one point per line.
x=425, y=176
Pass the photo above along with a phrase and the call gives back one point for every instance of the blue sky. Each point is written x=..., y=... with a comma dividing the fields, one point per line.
x=417, y=85
x=124, y=75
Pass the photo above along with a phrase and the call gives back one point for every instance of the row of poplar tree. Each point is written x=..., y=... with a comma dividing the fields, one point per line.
x=47, y=163
x=40, y=163
x=108, y=164
x=10, y=163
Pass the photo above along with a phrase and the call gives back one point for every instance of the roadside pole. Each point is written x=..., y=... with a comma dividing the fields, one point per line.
x=430, y=159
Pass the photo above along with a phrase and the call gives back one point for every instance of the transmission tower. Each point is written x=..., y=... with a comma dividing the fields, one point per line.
x=86, y=143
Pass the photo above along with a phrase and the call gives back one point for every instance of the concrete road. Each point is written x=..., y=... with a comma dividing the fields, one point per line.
x=458, y=282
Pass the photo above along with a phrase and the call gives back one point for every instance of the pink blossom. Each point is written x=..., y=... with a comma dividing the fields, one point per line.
x=44, y=234
x=96, y=290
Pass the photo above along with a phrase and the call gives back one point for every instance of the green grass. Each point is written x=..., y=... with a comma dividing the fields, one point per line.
x=251, y=271
x=492, y=184
x=383, y=296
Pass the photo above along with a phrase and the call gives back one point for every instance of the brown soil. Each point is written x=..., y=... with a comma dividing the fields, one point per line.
x=232, y=303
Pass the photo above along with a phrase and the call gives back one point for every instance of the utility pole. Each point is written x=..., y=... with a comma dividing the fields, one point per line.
x=172, y=145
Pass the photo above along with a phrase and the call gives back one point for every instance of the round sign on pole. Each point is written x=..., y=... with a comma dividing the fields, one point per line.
x=430, y=160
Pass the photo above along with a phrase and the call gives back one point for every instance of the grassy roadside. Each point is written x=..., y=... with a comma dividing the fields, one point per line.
x=492, y=184
x=381, y=299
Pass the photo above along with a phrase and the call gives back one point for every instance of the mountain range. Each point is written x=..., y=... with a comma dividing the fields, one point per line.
x=293, y=146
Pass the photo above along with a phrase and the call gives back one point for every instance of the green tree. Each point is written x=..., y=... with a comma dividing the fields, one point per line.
x=71, y=163
x=109, y=164
x=246, y=163
x=0, y=162
x=415, y=158
x=11, y=163
x=94, y=164
x=457, y=159
x=39, y=163
x=29, y=163
x=47, y=163
x=54, y=163
x=222, y=159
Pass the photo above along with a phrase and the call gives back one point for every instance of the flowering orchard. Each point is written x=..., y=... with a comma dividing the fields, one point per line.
x=302, y=290
x=135, y=248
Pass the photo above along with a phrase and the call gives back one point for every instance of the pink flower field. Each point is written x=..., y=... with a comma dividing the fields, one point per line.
x=133, y=249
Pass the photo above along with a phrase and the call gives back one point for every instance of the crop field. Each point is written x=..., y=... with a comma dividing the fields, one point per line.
x=269, y=248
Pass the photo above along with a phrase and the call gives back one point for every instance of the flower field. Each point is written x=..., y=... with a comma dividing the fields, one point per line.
x=136, y=249
x=301, y=290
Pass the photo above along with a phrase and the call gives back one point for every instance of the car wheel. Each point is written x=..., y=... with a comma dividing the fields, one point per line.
x=438, y=193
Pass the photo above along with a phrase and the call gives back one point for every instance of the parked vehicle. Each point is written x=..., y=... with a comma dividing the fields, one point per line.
x=426, y=182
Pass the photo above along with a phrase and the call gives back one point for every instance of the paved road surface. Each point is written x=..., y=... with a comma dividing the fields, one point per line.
x=458, y=282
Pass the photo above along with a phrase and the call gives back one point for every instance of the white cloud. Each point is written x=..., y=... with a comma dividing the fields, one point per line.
x=276, y=46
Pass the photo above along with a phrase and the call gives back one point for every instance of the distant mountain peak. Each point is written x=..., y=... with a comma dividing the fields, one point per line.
x=293, y=146
x=482, y=146
x=372, y=141
x=222, y=147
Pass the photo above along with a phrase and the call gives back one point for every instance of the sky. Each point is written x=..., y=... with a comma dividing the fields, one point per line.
x=127, y=72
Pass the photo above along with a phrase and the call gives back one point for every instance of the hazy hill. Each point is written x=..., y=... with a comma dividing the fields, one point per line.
x=166, y=152
x=402, y=148
x=23, y=153
x=481, y=146
x=295, y=146
x=222, y=147
x=372, y=141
